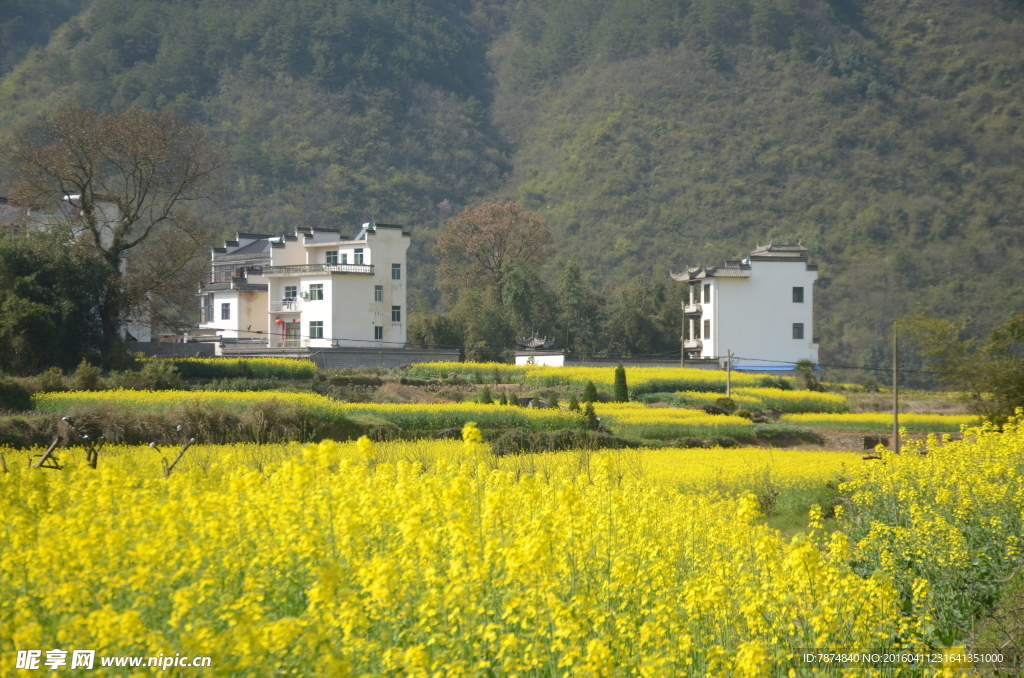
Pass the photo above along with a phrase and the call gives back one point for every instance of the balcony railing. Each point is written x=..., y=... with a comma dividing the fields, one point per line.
x=693, y=343
x=286, y=306
x=692, y=309
x=287, y=342
x=300, y=269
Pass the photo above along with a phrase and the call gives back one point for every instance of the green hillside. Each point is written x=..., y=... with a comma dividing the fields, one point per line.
x=651, y=134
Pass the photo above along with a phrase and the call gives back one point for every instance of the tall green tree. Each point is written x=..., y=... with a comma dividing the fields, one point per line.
x=620, y=393
x=50, y=300
x=578, y=311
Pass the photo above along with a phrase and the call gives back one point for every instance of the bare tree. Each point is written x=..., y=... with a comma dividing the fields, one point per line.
x=119, y=182
x=476, y=248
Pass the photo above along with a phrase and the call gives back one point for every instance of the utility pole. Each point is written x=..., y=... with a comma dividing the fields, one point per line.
x=895, y=389
x=728, y=375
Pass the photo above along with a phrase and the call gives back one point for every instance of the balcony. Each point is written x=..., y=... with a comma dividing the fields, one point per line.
x=287, y=342
x=304, y=269
x=286, y=306
x=693, y=344
x=692, y=309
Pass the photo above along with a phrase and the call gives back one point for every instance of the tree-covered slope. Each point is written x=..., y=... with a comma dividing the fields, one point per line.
x=885, y=135
x=651, y=134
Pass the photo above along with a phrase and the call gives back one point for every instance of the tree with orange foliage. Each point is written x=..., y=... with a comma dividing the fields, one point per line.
x=481, y=244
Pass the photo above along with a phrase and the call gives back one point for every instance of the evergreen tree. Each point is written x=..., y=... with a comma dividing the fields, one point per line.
x=592, y=423
x=504, y=399
x=552, y=398
x=590, y=393
x=621, y=390
x=578, y=311
x=485, y=396
x=574, y=404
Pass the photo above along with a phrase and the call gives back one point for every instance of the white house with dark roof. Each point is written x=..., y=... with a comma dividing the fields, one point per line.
x=761, y=308
x=314, y=289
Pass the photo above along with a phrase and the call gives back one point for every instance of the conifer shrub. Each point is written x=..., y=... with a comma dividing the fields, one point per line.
x=620, y=392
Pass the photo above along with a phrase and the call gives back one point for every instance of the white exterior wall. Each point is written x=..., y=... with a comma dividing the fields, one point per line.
x=226, y=328
x=349, y=311
x=548, y=360
x=753, y=317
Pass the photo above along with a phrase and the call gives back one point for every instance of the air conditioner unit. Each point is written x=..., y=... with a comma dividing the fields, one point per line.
x=305, y=295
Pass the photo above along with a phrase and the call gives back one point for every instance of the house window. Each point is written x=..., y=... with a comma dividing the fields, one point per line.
x=707, y=324
x=707, y=294
x=316, y=292
x=225, y=311
x=798, y=330
x=332, y=256
x=358, y=257
x=344, y=257
x=396, y=271
x=316, y=329
x=396, y=314
x=798, y=295
x=378, y=332
x=378, y=293
x=291, y=292
x=207, y=308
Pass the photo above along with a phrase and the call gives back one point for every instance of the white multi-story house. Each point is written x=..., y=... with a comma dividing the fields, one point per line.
x=313, y=289
x=761, y=309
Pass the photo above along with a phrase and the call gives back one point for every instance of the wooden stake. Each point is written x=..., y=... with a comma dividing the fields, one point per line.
x=168, y=469
x=728, y=375
x=895, y=389
x=49, y=451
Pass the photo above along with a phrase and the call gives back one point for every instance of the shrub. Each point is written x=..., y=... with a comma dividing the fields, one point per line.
x=86, y=377
x=51, y=379
x=726, y=404
x=590, y=393
x=484, y=397
x=14, y=396
x=621, y=389
x=776, y=382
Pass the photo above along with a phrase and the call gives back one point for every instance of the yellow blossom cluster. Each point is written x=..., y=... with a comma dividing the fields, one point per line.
x=438, y=559
x=871, y=421
x=795, y=401
x=949, y=512
x=636, y=419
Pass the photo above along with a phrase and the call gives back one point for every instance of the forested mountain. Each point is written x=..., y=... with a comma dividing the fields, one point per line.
x=886, y=135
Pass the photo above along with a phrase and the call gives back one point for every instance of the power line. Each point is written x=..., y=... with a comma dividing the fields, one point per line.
x=848, y=367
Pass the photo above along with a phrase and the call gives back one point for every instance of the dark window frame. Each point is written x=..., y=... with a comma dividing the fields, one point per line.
x=225, y=310
x=396, y=314
x=798, y=295
x=798, y=330
x=316, y=329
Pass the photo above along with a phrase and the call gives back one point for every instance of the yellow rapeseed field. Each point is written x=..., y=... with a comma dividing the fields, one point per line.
x=868, y=421
x=438, y=559
x=636, y=419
